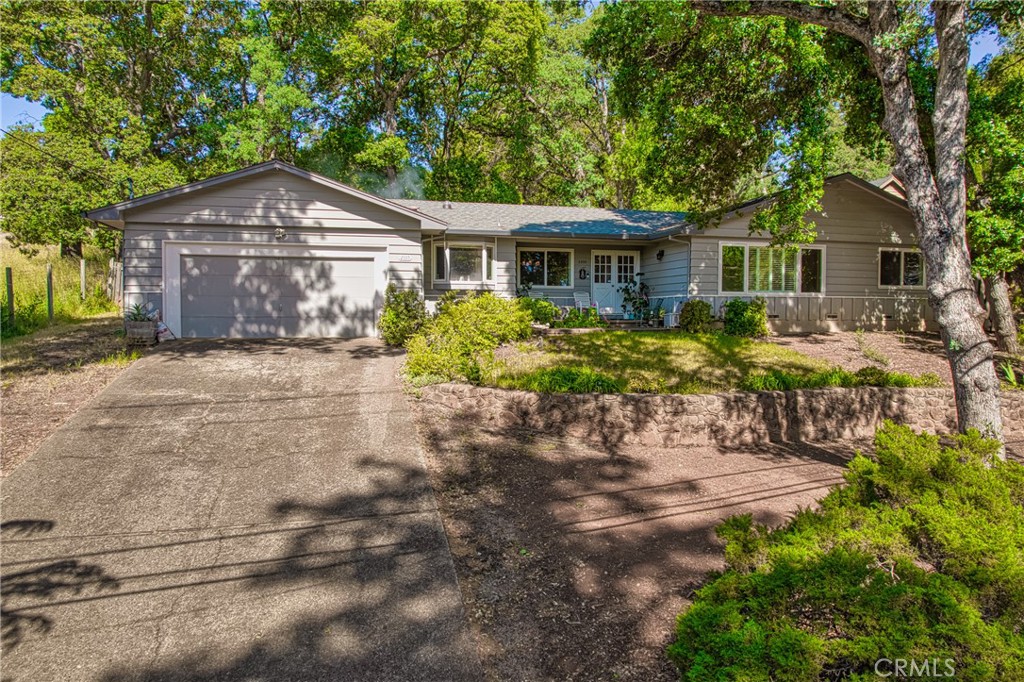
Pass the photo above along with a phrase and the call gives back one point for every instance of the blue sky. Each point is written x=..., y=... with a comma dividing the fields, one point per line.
x=17, y=110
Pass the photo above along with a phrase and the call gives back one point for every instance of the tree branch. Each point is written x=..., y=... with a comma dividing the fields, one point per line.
x=950, y=116
x=830, y=17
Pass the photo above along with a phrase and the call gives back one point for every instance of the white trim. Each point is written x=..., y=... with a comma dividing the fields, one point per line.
x=923, y=286
x=464, y=284
x=546, y=250
x=746, y=270
x=172, y=252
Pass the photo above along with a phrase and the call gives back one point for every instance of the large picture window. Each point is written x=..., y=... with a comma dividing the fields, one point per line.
x=463, y=263
x=747, y=268
x=900, y=268
x=545, y=267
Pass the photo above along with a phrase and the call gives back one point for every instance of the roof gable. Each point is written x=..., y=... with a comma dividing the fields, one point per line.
x=115, y=214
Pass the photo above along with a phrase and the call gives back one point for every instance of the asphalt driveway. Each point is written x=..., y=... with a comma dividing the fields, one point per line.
x=233, y=511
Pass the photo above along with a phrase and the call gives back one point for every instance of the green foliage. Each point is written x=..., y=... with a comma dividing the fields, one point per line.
x=29, y=274
x=541, y=310
x=995, y=134
x=746, y=318
x=919, y=556
x=139, y=313
x=655, y=362
x=835, y=377
x=695, y=317
x=588, y=318
x=462, y=337
x=403, y=315
x=565, y=380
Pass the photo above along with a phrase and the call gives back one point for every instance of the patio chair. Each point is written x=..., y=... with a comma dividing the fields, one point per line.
x=672, y=318
x=582, y=300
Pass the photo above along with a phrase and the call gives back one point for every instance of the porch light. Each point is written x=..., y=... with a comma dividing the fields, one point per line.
x=660, y=254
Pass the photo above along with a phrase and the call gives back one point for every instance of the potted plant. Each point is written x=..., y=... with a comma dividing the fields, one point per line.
x=636, y=300
x=140, y=325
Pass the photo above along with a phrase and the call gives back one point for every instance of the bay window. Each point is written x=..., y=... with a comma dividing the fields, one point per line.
x=749, y=268
x=463, y=263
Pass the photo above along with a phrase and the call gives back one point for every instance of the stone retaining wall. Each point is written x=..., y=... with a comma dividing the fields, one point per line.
x=727, y=419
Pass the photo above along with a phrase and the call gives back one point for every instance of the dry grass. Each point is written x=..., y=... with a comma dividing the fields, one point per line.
x=49, y=375
x=664, y=362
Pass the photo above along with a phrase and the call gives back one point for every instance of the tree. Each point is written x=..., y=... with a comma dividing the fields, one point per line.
x=763, y=88
x=995, y=157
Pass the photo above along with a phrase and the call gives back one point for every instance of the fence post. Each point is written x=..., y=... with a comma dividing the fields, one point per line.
x=49, y=291
x=9, y=276
x=81, y=277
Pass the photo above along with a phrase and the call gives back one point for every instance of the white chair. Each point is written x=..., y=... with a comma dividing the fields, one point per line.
x=672, y=318
x=582, y=300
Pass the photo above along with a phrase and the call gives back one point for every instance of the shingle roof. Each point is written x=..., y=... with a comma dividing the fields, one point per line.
x=525, y=219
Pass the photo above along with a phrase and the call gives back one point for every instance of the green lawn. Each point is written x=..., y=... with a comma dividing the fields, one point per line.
x=651, y=362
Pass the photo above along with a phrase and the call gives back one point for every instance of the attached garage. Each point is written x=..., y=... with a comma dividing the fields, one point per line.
x=270, y=251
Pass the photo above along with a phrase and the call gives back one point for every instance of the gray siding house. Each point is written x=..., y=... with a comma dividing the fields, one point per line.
x=276, y=251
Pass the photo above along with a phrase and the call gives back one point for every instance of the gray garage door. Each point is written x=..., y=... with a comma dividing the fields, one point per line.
x=244, y=297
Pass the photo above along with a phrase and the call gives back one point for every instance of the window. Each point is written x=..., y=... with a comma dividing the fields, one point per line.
x=440, y=264
x=463, y=263
x=772, y=270
x=900, y=268
x=602, y=268
x=811, y=275
x=467, y=264
x=545, y=268
x=626, y=269
x=732, y=268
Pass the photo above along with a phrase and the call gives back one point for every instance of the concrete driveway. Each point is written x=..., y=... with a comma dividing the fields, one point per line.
x=233, y=511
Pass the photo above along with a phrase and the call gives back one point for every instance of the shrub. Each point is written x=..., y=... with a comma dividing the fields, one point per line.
x=835, y=377
x=452, y=345
x=404, y=313
x=920, y=556
x=565, y=380
x=541, y=310
x=580, y=319
x=452, y=297
x=695, y=317
x=746, y=318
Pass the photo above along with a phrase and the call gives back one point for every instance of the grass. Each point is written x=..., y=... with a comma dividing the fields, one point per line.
x=29, y=274
x=869, y=351
x=649, y=362
x=667, y=362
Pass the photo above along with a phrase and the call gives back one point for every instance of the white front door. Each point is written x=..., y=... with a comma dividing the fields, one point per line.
x=611, y=270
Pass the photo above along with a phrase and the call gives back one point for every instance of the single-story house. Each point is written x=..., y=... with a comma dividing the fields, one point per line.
x=276, y=251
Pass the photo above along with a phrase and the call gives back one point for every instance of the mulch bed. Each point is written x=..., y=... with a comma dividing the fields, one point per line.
x=575, y=560
x=47, y=377
x=910, y=353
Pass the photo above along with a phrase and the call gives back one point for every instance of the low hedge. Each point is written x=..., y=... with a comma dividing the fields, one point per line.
x=696, y=317
x=464, y=334
x=746, y=318
x=835, y=377
x=541, y=310
x=920, y=556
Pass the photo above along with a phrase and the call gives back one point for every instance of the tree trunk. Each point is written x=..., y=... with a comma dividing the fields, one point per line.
x=1002, y=314
x=936, y=198
x=942, y=233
